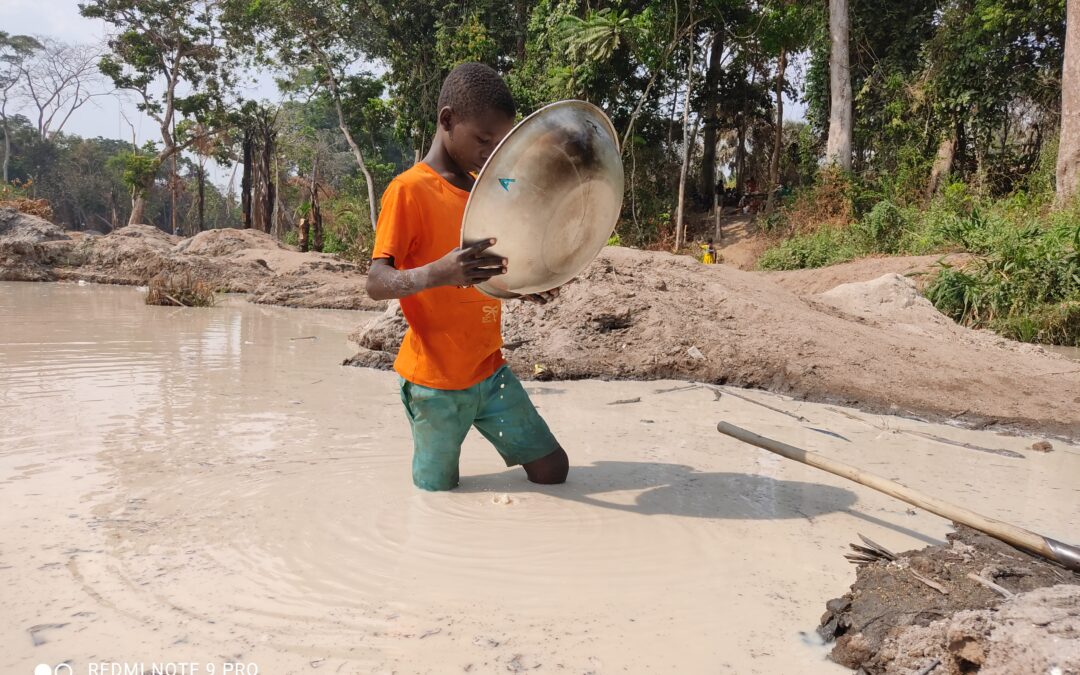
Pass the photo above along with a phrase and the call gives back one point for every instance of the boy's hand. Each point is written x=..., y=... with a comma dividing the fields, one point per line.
x=541, y=298
x=467, y=265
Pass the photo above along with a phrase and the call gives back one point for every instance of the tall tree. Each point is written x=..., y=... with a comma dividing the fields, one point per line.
x=1068, y=159
x=163, y=48
x=838, y=148
x=320, y=37
x=14, y=52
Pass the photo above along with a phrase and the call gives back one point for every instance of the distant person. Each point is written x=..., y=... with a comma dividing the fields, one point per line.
x=708, y=256
x=453, y=375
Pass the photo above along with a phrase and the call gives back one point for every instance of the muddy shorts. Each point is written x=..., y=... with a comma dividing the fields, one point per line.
x=498, y=407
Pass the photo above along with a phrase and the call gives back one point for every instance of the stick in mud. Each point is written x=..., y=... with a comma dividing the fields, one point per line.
x=1051, y=549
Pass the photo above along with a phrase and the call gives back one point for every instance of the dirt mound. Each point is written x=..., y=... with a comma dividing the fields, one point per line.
x=217, y=243
x=324, y=284
x=919, y=269
x=1033, y=632
x=18, y=227
x=23, y=254
x=899, y=616
x=645, y=315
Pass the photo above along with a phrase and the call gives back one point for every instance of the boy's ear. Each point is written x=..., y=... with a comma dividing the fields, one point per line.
x=446, y=118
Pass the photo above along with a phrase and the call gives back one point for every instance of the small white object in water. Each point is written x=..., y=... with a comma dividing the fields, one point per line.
x=502, y=499
x=502, y=386
x=141, y=289
x=82, y=282
x=500, y=434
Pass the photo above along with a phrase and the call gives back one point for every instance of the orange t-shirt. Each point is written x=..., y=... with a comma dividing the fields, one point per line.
x=454, y=338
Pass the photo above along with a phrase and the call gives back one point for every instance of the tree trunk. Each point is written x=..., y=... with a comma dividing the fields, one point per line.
x=942, y=163
x=778, y=142
x=138, y=205
x=202, y=197
x=712, y=115
x=838, y=148
x=7, y=149
x=740, y=157
x=687, y=140
x=172, y=196
x=245, y=182
x=268, y=191
x=1068, y=159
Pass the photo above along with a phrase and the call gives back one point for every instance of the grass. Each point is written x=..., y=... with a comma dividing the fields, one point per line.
x=179, y=290
x=1023, y=280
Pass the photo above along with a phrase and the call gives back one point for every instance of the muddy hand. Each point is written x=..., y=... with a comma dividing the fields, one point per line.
x=542, y=298
x=468, y=265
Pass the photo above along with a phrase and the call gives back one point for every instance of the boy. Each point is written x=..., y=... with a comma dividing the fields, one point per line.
x=453, y=375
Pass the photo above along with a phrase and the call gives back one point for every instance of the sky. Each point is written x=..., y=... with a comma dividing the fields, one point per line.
x=60, y=19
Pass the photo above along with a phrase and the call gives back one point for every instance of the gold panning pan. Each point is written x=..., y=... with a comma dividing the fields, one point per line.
x=550, y=194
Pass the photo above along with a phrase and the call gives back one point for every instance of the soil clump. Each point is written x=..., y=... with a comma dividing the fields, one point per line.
x=900, y=616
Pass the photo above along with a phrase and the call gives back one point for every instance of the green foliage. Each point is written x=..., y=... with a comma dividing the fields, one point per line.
x=827, y=246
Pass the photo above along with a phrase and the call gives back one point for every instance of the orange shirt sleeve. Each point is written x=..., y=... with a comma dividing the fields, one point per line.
x=395, y=234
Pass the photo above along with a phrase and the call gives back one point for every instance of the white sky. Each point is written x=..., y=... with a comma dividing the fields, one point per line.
x=60, y=19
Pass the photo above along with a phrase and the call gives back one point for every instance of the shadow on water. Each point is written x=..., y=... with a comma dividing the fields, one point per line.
x=681, y=490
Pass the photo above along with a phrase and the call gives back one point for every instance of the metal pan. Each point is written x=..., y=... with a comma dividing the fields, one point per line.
x=551, y=194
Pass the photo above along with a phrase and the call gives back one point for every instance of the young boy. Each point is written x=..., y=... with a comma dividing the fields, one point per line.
x=453, y=375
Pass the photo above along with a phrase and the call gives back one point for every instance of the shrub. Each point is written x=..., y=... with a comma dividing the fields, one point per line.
x=179, y=290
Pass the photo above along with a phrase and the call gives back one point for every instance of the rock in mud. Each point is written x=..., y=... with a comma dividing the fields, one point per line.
x=384, y=333
x=889, y=606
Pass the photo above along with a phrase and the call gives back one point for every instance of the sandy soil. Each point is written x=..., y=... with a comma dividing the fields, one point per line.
x=210, y=486
x=920, y=269
x=901, y=615
x=876, y=345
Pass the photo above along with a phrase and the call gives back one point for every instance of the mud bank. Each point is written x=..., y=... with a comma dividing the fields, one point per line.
x=902, y=616
x=876, y=345
x=232, y=261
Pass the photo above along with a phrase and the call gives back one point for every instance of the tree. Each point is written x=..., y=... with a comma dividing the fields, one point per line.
x=161, y=45
x=1068, y=159
x=838, y=148
x=58, y=80
x=319, y=37
x=14, y=51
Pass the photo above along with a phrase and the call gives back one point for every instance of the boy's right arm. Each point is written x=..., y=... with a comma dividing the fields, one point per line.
x=464, y=266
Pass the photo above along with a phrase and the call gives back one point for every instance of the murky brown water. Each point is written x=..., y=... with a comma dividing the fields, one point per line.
x=210, y=485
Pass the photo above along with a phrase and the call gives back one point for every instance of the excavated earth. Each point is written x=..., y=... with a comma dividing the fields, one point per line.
x=874, y=343
x=230, y=260
x=904, y=615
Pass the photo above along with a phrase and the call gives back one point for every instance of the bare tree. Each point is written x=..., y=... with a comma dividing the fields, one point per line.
x=1068, y=159
x=838, y=148
x=14, y=51
x=59, y=79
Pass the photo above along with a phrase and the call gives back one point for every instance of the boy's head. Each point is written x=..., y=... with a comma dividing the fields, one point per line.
x=476, y=110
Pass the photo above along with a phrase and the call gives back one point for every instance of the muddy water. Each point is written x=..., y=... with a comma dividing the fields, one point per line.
x=210, y=486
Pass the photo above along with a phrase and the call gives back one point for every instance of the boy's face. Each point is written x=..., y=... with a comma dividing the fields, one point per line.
x=470, y=141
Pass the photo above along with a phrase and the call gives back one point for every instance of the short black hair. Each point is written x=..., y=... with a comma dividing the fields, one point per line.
x=472, y=88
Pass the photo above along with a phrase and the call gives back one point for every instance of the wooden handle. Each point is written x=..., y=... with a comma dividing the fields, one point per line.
x=1069, y=556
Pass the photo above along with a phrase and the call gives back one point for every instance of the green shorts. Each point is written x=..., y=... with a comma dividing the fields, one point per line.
x=498, y=407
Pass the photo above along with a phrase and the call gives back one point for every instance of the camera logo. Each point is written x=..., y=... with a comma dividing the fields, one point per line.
x=46, y=669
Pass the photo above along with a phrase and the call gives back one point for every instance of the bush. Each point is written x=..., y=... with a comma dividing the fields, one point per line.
x=819, y=249
x=179, y=290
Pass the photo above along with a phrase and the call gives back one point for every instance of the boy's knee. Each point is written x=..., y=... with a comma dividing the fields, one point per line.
x=550, y=469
